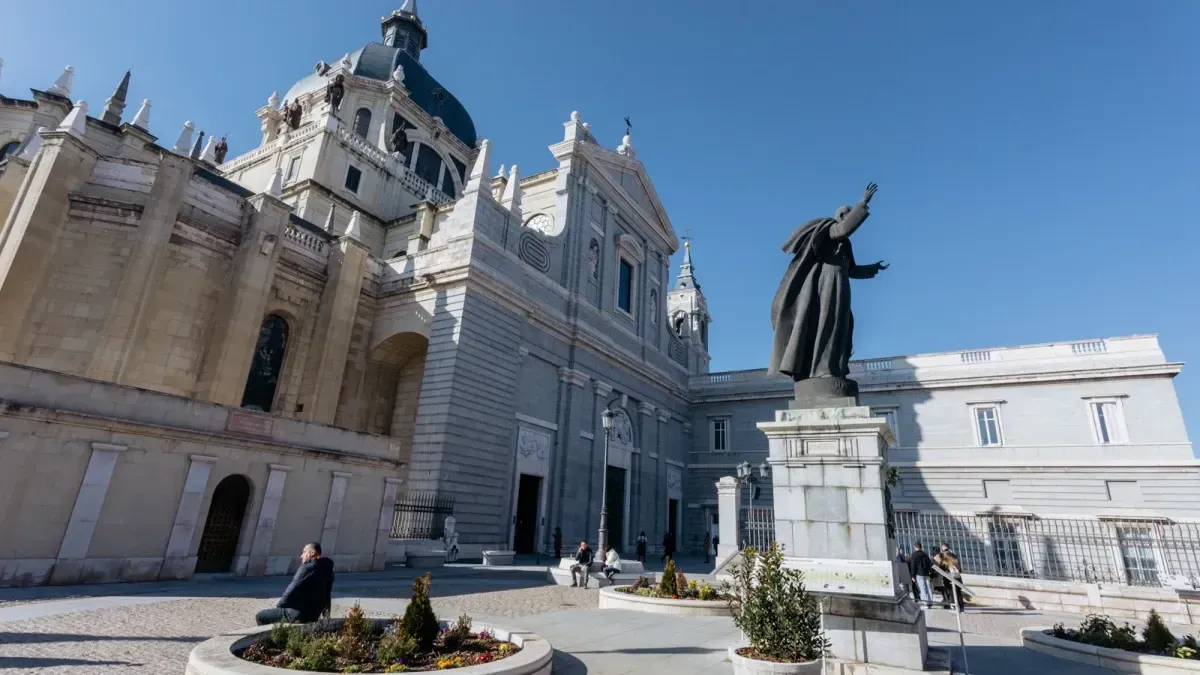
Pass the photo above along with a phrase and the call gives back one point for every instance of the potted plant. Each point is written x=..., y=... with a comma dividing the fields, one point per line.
x=779, y=618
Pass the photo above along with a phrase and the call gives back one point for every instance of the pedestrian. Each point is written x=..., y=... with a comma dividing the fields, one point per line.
x=583, y=564
x=308, y=596
x=951, y=592
x=920, y=566
x=612, y=565
x=901, y=558
x=557, y=543
x=668, y=547
x=641, y=546
x=707, y=544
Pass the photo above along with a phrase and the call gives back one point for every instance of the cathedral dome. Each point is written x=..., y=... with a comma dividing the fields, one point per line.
x=377, y=61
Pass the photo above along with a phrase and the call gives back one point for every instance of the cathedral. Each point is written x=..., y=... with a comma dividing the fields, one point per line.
x=366, y=324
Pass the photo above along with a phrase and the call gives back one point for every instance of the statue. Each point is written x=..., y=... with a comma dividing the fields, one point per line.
x=399, y=138
x=293, y=115
x=335, y=92
x=221, y=150
x=811, y=315
x=450, y=539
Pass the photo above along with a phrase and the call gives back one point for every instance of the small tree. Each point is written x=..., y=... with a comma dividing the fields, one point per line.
x=419, y=622
x=666, y=586
x=771, y=606
x=1157, y=636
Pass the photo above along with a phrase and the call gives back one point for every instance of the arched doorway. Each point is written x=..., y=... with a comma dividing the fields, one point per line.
x=223, y=527
x=263, y=379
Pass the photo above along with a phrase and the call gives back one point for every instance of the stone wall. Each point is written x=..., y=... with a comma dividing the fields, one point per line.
x=1119, y=602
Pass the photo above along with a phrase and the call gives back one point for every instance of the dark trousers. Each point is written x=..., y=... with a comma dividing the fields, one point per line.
x=276, y=615
x=641, y=552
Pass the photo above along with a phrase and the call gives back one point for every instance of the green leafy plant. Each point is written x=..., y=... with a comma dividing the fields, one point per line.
x=455, y=636
x=705, y=591
x=419, y=622
x=1156, y=634
x=1189, y=641
x=354, y=638
x=317, y=653
x=666, y=585
x=395, y=648
x=770, y=605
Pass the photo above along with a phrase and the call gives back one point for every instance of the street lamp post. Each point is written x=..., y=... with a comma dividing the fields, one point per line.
x=607, y=418
x=745, y=476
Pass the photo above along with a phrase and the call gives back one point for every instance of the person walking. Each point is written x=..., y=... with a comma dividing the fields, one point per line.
x=920, y=566
x=707, y=544
x=641, y=546
x=901, y=558
x=952, y=594
x=557, y=543
x=668, y=547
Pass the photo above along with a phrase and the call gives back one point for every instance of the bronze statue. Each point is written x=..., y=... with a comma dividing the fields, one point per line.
x=221, y=150
x=811, y=316
x=399, y=138
x=334, y=93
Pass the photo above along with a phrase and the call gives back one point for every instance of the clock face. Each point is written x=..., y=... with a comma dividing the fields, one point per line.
x=542, y=223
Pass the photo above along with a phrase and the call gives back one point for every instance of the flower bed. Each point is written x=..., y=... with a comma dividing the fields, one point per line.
x=675, y=586
x=1156, y=638
x=415, y=642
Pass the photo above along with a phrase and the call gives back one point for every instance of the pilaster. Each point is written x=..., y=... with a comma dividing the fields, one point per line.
x=333, y=512
x=89, y=501
x=326, y=363
x=727, y=517
x=264, y=530
x=244, y=301
x=127, y=315
x=387, y=511
x=32, y=229
x=177, y=561
x=10, y=183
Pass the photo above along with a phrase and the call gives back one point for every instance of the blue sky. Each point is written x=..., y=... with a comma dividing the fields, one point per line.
x=1036, y=162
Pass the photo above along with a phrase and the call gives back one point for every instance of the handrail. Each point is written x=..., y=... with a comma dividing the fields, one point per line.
x=962, y=643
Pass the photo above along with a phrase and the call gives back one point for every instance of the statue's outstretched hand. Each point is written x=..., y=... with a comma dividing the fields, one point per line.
x=881, y=265
x=868, y=193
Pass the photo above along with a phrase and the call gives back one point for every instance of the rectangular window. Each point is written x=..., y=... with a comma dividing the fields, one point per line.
x=889, y=414
x=1123, y=491
x=997, y=491
x=720, y=435
x=1108, y=422
x=353, y=177
x=625, y=289
x=987, y=425
x=1137, y=554
x=293, y=169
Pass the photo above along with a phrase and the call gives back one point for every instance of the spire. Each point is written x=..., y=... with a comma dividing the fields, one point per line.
x=142, y=119
x=183, y=146
x=479, y=172
x=354, y=228
x=210, y=153
x=512, y=193
x=410, y=7
x=76, y=120
x=687, y=276
x=404, y=31
x=329, y=218
x=115, y=105
x=195, y=152
x=275, y=184
x=62, y=86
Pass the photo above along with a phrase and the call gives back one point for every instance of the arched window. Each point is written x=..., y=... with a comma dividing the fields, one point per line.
x=362, y=122
x=263, y=379
x=9, y=149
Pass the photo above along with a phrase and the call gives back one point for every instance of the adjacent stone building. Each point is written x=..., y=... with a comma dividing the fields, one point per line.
x=207, y=362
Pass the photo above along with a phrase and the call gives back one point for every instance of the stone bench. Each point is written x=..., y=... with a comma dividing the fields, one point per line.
x=496, y=558
x=425, y=559
x=633, y=567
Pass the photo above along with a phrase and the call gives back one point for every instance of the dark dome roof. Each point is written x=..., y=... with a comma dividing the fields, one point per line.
x=377, y=61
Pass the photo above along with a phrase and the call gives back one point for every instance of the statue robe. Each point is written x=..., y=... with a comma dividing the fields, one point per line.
x=811, y=313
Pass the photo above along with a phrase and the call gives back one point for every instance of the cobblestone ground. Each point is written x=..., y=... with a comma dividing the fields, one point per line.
x=156, y=638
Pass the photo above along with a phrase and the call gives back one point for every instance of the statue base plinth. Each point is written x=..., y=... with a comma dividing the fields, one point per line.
x=825, y=392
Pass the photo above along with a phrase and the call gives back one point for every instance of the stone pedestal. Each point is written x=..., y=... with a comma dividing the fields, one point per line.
x=829, y=471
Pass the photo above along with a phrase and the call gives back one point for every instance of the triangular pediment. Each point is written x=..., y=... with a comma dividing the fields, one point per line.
x=629, y=177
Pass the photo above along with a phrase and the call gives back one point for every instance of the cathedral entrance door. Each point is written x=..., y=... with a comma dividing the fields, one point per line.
x=616, y=510
x=218, y=542
x=529, y=494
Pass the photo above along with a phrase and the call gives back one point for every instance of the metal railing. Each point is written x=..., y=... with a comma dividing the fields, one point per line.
x=421, y=515
x=756, y=528
x=1129, y=552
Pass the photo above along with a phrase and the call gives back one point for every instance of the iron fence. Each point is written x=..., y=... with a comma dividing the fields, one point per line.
x=421, y=515
x=757, y=528
x=1129, y=552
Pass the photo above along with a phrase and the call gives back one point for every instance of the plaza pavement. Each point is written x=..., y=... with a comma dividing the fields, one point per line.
x=119, y=629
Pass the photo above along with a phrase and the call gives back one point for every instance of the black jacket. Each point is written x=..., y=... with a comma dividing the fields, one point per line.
x=311, y=590
x=584, y=557
x=920, y=564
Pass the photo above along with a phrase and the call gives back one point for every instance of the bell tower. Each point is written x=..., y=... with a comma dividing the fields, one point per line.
x=687, y=312
x=404, y=30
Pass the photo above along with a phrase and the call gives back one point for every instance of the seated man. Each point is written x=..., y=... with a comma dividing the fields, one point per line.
x=583, y=559
x=308, y=596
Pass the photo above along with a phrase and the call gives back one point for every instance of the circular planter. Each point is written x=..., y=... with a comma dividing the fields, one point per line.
x=745, y=666
x=1039, y=640
x=216, y=656
x=612, y=598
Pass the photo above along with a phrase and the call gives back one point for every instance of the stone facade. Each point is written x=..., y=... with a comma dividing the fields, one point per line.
x=403, y=314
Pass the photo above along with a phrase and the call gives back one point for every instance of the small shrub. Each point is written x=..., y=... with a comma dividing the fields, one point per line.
x=457, y=635
x=1186, y=653
x=352, y=669
x=1058, y=632
x=354, y=638
x=1156, y=634
x=681, y=583
x=1189, y=641
x=317, y=653
x=281, y=633
x=770, y=605
x=1125, y=638
x=666, y=586
x=419, y=622
x=396, y=668
x=640, y=583
x=705, y=591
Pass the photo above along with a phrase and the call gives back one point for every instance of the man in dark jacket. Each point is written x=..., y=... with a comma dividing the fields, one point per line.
x=920, y=566
x=583, y=561
x=308, y=596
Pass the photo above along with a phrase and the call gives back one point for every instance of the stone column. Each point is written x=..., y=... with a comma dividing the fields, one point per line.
x=127, y=314
x=727, y=517
x=264, y=531
x=326, y=362
x=243, y=304
x=333, y=512
x=177, y=561
x=69, y=566
x=32, y=229
x=387, y=511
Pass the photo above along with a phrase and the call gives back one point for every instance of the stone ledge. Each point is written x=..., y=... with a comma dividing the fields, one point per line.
x=612, y=598
x=216, y=656
x=1038, y=640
